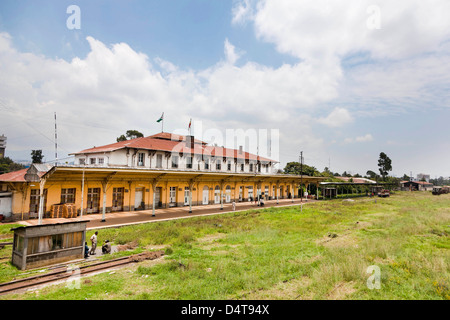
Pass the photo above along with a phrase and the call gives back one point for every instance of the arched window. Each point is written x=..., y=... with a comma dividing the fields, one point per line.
x=217, y=194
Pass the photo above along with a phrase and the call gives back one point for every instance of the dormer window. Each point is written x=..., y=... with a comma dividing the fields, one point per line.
x=159, y=160
x=141, y=157
x=189, y=162
x=174, y=161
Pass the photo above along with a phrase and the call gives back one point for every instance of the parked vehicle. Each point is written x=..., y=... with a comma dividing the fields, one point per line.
x=440, y=190
x=384, y=193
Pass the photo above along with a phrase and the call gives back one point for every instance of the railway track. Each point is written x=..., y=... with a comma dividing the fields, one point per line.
x=62, y=272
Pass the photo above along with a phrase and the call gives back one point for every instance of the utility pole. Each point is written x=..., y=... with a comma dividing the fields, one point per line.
x=56, y=144
x=301, y=176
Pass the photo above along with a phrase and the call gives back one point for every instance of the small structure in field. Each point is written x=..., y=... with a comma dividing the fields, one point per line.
x=42, y=245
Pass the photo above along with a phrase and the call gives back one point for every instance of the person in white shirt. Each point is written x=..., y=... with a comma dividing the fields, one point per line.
x=94, y=242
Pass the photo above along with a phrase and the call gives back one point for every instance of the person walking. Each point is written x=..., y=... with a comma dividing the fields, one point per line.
x=234, y=205
x=94, y=242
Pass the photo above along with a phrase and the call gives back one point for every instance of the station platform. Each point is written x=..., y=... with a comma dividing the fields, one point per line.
x=123, y=218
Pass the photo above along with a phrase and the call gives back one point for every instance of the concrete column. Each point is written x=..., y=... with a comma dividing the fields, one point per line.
x=104, y=185
x=221, y=196
x=154, y=198
x=41, y=201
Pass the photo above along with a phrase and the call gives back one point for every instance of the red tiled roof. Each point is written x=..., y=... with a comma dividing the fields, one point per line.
x=161, y=142
x=173, y=137
x=419, y=182
x=15, y=176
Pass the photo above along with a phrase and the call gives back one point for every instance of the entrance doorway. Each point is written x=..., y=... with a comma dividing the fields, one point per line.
x=205, y=199
x=228, y=194
x=217, y=195
x=138, y=199
x=117, y=203
x=173, y=197
x=93, y=200
x=158, y=203
x=186, y=196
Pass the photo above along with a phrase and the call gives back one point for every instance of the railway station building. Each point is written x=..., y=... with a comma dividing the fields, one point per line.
x=159, y=171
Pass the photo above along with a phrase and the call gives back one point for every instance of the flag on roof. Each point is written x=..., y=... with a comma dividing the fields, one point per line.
x=161, y=118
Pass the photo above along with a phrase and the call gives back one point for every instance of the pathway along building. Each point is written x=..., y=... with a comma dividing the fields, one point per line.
x=159, y=171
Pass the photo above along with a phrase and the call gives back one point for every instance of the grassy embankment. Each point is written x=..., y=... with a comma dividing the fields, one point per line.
x=279, y=253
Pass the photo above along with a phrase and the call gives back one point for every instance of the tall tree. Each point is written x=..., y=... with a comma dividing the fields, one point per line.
x=384, y=165
x=36, y=156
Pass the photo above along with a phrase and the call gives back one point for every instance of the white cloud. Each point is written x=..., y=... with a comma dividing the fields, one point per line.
x=318, y=29
x=339, y=117
x=230, y=52
x=242, y=11
x=366, y=138
x=404, y=64
x=114, y=88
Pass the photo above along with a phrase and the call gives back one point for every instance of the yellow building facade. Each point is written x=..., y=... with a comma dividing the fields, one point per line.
x=104, y=190
x=159, y=171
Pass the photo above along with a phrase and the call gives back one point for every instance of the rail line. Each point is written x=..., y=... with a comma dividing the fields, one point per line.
x=62, y=272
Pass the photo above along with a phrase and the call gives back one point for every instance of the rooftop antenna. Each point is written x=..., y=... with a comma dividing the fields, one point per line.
x=56, y=144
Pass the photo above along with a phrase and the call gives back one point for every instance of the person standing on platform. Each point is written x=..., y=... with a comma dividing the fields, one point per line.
x=94, y=242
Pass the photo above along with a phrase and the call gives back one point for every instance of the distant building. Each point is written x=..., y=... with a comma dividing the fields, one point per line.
x=2, y=145
x=416, y=186
x=422, y=176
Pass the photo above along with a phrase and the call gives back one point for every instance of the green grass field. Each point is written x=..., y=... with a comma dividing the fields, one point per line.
x=325, y=252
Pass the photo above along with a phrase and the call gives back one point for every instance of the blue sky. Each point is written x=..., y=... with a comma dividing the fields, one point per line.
x=336, y=86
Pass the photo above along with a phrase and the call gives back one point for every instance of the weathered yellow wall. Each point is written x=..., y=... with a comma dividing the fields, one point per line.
x=21, y=205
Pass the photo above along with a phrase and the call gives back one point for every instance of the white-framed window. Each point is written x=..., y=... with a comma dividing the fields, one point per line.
x=242, y=167
x=101, y=161
x=174, y=161
x=159, y=160
x=189, y=162
x=93, y=161
x=251, y=167
x=206, y=164
x=218, y=164
x=82, y=161
x=229, y=166
x=141, y=157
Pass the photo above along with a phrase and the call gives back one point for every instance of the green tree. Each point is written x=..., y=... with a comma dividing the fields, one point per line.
x=36, y=156
x=297, y=168
x=371, y=174
x=384, y=165
x=130, y=134
x=121, y=138
x=8, y=165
